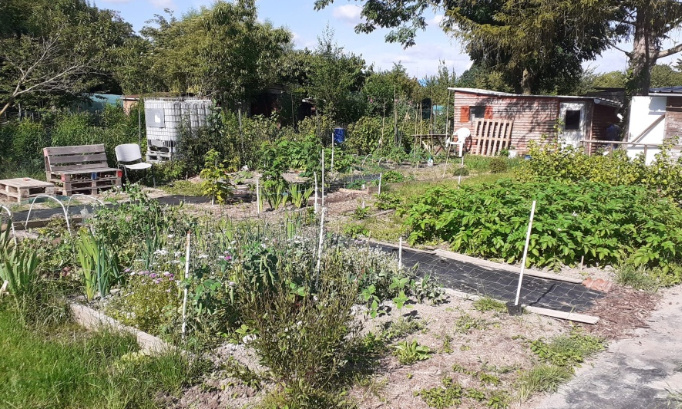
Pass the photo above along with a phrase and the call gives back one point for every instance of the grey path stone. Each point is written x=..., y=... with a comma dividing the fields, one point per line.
x=634, y=373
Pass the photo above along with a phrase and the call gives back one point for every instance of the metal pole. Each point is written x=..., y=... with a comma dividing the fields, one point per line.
x=380, y=174
x=331, y=166
x=525, y=253
x=258, y=195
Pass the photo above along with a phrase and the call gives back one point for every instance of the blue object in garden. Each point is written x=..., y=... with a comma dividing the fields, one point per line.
x=339, y=135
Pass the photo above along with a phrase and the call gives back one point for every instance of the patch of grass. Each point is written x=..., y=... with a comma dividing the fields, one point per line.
x=466, y=323
x=485, y=304
x=542, y=378
x=401, y=328
x=567, y=350
x=183, y=188
x=675, y=399
x=636, y=277
x=71, y=368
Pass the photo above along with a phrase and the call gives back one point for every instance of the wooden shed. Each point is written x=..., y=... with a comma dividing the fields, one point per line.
x=532, y=117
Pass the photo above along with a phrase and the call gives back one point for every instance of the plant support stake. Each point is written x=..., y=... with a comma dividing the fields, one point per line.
x=400, y=254
x=459, y=180
x=380, y=174
x=258, y=195
x=322, y=199
x=319, y=249
x=315, y=206
x=184, y=297
x=525, y=253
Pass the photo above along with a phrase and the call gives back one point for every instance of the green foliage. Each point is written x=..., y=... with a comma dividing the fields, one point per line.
x=392, y=176
x=498, y=165
x=360, y=213
x=387, y=200
x=428, y=289
x=542, y=378
x=216, y=183
x=299, y=195
x=484, y=304
x=99, y=265
x=445, y=396
x=638, y=278
x=355, y=230
x=18, y=266
x=602, y=223
x=466, y=323
x=567, y=350
x=400, y=328
x=68, y=367
x=409, y=352
x=461, y=171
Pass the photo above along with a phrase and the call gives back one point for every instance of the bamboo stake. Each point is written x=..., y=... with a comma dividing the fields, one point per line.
x=315, y=206
x=525, y=253
x=258, y=195
x=322, y=198
x=380, y=174
x=400, y=254
x=319, y=249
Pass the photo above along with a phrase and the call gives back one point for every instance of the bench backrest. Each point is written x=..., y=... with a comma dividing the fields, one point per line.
x=73, y=158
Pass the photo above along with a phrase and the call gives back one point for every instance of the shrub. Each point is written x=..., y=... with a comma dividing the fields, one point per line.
x=461, y=171
x=386, y=201
x=604, y=224
x=498, y=165
x=392, y=176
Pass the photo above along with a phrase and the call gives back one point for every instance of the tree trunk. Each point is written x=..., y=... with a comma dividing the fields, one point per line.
x=7, y=105
x=645, y=49
x=526, y=82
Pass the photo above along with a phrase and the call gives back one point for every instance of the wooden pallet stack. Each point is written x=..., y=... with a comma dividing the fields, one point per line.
x=20, y=189
x=80, y=169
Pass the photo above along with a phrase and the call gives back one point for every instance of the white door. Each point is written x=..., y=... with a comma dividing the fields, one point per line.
x=573, y=123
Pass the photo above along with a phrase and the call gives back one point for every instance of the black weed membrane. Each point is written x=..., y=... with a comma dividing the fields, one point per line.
x=497, y=283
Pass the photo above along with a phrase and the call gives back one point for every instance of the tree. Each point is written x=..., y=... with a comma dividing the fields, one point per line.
x=381, y=89
x=52, y=50
x=335, y=80
x=532, y=38
x=221, y=52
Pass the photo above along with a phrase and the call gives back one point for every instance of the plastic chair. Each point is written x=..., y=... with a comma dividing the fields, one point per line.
x=128, y=156
x=462, y=135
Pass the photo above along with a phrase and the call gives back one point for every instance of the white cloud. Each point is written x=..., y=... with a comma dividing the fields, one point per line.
x=349, y=13
x=437, y=19
x=163, y=4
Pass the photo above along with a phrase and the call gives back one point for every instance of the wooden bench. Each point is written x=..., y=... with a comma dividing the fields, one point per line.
x=80, y=169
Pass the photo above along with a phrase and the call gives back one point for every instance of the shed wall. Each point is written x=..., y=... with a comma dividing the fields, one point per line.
x=534, y=118
x=673, y=117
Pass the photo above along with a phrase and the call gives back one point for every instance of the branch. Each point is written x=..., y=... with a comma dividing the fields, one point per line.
x=670, y=51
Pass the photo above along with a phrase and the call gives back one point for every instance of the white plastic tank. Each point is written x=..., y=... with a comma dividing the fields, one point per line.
x=164, y=119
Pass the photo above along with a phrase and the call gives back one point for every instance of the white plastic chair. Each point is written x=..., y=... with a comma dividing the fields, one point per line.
x=462, y=135
x=128, y=156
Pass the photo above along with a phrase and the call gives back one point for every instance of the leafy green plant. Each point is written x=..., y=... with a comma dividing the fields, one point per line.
x=409, y=352
x=600, y=224
x=99, y=266
x=215, y=181
x=445, y=396
x=428, y=289
x=392, y=176
x=387, y=201
x=18, y=268
x=400, y=284
x=361, y=213
x=401, y=328
x=461, y=171
x=355, y=230
x=542, y=378
x=498, y=165
x=567, y=350
x=299, y=195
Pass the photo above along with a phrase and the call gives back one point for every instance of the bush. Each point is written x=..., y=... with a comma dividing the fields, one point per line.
x=461, y=171
x=604, y=224
x=498, y=165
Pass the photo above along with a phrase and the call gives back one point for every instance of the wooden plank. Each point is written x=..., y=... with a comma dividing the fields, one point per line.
x=571, y=316
x=97, y=157
x=70, y=150
x=88, y=170
x=80, y=168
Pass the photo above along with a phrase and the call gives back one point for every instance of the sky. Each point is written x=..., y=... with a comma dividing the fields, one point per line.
x=306, y=24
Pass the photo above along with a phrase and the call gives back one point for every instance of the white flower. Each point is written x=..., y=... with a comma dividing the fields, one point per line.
x=177, y=254
x=248, y=339
x=161, y=252
x=231, y=284
x=203, y=255
x=170, y=236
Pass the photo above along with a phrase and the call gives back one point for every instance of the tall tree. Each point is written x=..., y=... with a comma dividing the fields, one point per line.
x=539, y=39
x=56, y=49
x=222, y=51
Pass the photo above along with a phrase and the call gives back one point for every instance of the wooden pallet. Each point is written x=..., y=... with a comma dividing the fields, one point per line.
x=491, y=136
x=24, y=188
x=80, y=169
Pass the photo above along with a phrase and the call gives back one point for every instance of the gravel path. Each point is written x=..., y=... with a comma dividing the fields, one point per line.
x=642, y=372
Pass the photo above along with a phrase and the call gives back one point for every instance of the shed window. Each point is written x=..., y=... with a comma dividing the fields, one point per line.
x=476, y=112
x=572, y=122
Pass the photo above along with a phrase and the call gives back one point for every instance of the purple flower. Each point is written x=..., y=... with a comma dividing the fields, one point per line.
x=153, y=275
x=157, y=281
x=228, y=258
x=127, y=270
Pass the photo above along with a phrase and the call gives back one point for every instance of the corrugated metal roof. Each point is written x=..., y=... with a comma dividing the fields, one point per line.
x=666, y=90
x=479, y=91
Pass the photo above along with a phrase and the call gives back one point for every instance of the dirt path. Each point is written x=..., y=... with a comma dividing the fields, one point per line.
x=644, y=371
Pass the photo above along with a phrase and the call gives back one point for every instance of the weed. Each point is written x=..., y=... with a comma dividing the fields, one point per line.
x=489, y=304
x=498, y=400
x=237, y=370
x=498, y=165
x=460, y=171
x=428, y=289
x=360, y=213
x=401, y=328
x=355, y=230
x=636, y=277
x=542, y=378
x=386, y=201
x=475, y=394
x=446, y=348
x=410, y=352
x=488, y=379
x=567, y=350
x=445, y=396
x=466, y=323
